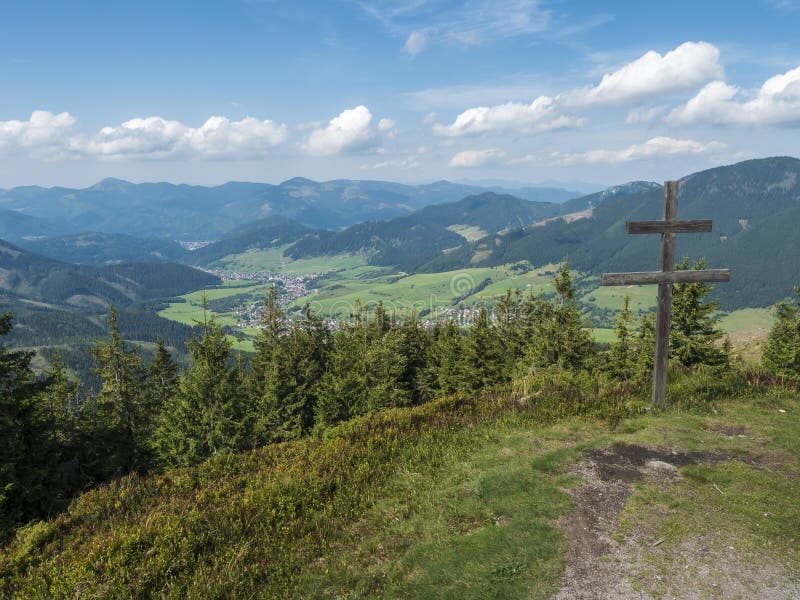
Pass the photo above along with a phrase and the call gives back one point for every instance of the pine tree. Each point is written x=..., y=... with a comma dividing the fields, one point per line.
x=782, y=347
x=205, y=417
x=694, y=333
x=120, y=409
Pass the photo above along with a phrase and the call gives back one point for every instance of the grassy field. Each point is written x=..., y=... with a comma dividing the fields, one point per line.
x=470, y=232
x=421, y=292
x=272, y=259
x=455, y=499
x=190, y=309
x=348, y=279
x=642, y=297
x=747, y=319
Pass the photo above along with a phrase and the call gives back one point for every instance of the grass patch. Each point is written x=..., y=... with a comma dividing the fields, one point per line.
x=454, y=499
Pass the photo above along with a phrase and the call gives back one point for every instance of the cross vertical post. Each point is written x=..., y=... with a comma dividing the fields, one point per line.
x=666, y=278
x=664, y=314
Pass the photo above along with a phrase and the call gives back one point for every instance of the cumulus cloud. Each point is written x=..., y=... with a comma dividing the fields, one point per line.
x=415, y=43
x=688, y=66
x=52, y=136
x=349, y=131
x=409, y=162
x=644, y=115
x=218, y=137
x=652, y=148
x=221, y=137
x=539, y=116
x=776, y=102
x=43, y=135
x=476, y=158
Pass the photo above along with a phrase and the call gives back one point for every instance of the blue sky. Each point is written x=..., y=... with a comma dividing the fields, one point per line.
x=407, y=90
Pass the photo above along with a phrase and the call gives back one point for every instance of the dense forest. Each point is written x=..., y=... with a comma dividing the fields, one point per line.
x=151, y=414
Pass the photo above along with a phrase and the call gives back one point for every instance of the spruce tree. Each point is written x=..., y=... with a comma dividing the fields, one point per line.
x=414, y=343
x=559, y=335
x=511, y=329
x=621, y=355
x=445, y=361
x=120, y=412
x=483, y=361
x=387, y=365
x=205, y=417
x=291, y=394
x=25, y=451
x=343, y=386
x=644, y=347
x=271, y=328
x=782, y=347
x=694, y=334
x=161, y=385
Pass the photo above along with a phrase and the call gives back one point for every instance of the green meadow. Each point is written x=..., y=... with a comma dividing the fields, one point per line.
x=346, y=280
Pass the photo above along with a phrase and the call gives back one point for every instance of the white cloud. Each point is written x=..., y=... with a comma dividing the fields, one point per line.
x=149, y=136
x=688, y=66
x=539, y=116
x=652, y=148
x=387, y=128
x=476, y=158
x=249, y=137
x=349, y=131
x=776, y=102
x=644, y=115
x=467, y=23
x=409, y=162
x=218, y=137
x=43, y=135
x=415, y=43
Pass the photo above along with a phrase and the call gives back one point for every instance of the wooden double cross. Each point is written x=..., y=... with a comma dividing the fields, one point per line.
x=666, y=277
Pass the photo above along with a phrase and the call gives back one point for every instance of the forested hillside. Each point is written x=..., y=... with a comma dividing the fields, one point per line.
x=60, y=307
x=410, y=241
x=264, y=233
x=95, y=248
x=754, y=206
x=36, y=277
x=390, y=460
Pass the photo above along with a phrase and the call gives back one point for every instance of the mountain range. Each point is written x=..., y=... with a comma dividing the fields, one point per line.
x=185, y=212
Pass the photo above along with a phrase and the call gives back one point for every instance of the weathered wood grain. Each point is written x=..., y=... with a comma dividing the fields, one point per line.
x=668, y=277
x=692, y=226
x=664, y=314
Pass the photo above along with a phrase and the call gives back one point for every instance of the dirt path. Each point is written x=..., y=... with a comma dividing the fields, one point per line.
x=600, y=567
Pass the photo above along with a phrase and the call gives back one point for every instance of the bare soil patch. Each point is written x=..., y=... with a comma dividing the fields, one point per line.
x=601, y=567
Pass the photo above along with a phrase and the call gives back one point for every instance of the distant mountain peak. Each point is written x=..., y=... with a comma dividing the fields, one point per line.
x=111, y=184
x=299, y=181
x=632, y=187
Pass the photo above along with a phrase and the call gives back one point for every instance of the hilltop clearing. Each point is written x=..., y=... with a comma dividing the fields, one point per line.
x=458, y=498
